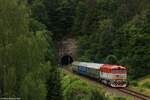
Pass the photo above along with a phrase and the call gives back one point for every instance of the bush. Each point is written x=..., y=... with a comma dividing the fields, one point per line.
x=141, y=89
x=75, y=89
x=146, y=85
x=134, y=83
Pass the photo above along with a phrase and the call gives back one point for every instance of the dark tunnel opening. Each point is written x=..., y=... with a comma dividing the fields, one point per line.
x=66, y=60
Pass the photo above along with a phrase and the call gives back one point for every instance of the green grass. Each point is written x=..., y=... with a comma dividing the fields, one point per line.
x=123, y=98
x=142, y=85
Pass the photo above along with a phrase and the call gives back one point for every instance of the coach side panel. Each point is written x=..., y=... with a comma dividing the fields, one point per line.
x=75, y=68
x=93, y=73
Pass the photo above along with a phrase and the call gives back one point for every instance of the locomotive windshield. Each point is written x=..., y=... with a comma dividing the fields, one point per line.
x=119, y=71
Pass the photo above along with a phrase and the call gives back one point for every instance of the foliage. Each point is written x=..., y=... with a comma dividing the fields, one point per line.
x=102, y=28
x=13, y=25
x=80, y=90
x=30, y=86
x=56, y=15
x=134, y=83
x=54, y=85
x=25, y=54
x=146, y=85
x=121, y=31
x=107, y=31
x=141, y=85
x=111, y=59
x=137, y=49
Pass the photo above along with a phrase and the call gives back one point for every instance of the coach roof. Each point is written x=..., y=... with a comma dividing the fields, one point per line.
x=88, y=65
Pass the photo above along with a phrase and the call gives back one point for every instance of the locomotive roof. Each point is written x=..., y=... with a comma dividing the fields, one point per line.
x=107, y=66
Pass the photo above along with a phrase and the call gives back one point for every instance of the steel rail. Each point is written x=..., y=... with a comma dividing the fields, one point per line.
x=134, y=93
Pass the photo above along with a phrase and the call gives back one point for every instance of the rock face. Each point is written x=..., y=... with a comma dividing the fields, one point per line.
x=67, y=51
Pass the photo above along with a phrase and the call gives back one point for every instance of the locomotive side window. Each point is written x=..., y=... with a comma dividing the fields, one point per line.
x=118, y=71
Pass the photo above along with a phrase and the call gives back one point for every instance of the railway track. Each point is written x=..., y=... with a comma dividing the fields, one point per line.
x=134, y=94
x=127, y=91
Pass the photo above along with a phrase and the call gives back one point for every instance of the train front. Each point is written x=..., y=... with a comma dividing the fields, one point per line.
x=118, y=76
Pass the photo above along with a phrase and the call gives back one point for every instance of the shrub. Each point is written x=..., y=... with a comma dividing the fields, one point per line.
x=141, y=89
x=134, y=83
x=146, y=85
x=76, y=89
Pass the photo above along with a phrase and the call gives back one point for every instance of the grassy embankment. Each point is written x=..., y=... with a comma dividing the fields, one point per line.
x=142, y=85
x=76, y=89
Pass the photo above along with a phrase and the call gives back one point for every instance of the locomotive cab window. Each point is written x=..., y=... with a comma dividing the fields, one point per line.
x=118, y=71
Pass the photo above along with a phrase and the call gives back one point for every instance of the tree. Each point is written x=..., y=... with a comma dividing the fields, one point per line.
x=54, y=90
x=13, y=23
x=138, y=49
x=39, y=12
x=121, y=30
x=23, y=65
x=111, y=59
x=86, y=17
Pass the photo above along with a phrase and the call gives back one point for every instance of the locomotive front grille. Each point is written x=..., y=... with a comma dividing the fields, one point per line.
x=118, y=83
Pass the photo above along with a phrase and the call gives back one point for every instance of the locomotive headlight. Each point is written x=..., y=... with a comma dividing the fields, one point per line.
x=119, y=76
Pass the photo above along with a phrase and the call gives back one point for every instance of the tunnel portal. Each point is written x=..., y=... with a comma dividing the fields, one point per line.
x=66, y=60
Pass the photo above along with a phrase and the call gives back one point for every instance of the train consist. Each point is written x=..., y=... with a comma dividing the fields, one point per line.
x=112, y=75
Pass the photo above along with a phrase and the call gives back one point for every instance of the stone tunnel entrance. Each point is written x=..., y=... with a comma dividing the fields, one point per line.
x=67, y=51
x=67, y=59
